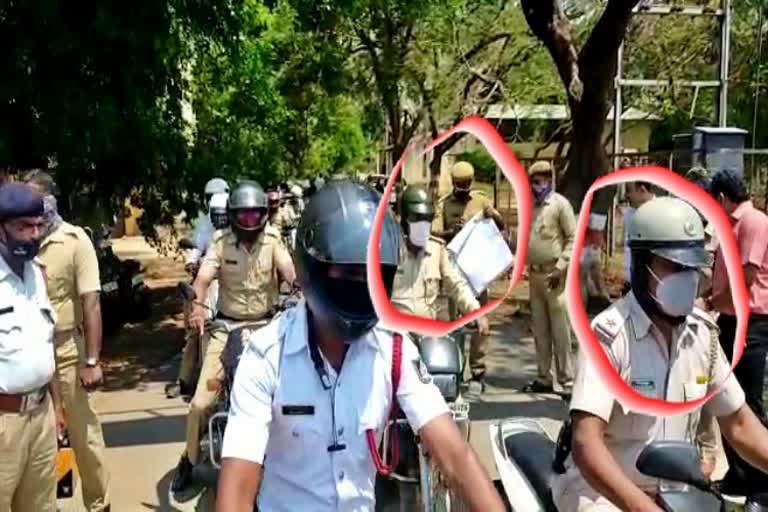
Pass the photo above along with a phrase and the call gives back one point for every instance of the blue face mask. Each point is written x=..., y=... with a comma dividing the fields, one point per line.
x=540, y=192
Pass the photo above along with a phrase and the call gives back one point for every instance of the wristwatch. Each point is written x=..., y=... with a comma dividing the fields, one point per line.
x=92, y=362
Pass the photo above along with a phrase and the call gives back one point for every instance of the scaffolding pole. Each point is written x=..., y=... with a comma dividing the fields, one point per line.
x=725, y=33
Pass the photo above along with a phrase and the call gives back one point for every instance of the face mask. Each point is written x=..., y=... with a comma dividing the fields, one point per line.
x=676, y=293
x=418, y=233
x=540, y=192
x=462, y=192
x=51, y=217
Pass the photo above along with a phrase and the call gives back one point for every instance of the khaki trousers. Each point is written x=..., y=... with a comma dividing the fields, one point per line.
x=478, y=345
x=204, y=398
x=551, y=332
x=83, y=425
x=28, y=460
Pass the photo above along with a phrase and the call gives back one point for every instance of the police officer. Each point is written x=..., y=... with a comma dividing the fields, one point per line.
x=219, y=219
x=30, y=406
x=274, y=216
x=425, y=268
x=204, y=228
x=314, y=388
x=72, y=277
x=661, y=346
x=452, y=212
x=248, y=259
x=553, y=228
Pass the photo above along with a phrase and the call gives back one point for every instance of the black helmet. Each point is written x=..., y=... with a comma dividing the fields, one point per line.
x=334, y=231
x=248, y=206
x=415, y=204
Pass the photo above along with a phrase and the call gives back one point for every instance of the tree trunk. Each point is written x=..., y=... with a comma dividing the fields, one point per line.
x=588, y=79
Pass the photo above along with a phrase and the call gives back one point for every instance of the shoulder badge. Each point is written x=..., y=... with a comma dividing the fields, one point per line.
x=220, y=234
x=270, y=230
x=608, y=324
x=705, y=318
x=421, y=371
x=436, y=239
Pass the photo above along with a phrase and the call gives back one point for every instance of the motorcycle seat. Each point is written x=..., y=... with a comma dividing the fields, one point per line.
x=533, y=454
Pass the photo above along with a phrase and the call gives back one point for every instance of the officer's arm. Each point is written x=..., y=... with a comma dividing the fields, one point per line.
x=438, y=224
x=591, y=413
x=748, y=436
x=88, y=288
x=568, y=227
x=284, y=263
x=458, y=287
x=459, y=464
x=247, y=432
x=209, y=269
x=494, y=214
x=429, y=415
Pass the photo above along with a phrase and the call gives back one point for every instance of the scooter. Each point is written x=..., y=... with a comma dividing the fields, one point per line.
x=416, y=481
x=528, y=459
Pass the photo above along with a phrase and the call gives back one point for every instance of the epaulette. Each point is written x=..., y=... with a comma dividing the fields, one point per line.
x=444, y=197
x=436, y=239
x=608, y=324
x=265, y=338
x=705, y=318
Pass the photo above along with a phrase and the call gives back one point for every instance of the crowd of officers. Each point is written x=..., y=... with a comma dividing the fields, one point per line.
x=50, y=280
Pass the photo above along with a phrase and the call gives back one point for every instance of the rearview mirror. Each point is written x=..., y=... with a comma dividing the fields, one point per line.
x=187, y=292
x=672, y=460
x=186, y=243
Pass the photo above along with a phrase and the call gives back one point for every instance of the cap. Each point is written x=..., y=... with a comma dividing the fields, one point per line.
x=540, y=167
x=19, y=200
x=462, y=171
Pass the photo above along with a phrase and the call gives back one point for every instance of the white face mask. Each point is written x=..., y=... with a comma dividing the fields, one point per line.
x=676, y=293
x=418, y=232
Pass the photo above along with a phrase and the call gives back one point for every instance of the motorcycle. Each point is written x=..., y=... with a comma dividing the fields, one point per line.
x=415, y=481
x=206, y=472
x=527, y=459
x=124, y=294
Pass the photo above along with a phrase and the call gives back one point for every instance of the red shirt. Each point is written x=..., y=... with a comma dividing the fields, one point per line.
x=750, y=227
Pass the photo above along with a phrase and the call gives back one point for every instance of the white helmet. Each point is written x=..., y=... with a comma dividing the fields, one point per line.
x=216, y=186
x=671, y=229
x=217, y=210
x=296, y=191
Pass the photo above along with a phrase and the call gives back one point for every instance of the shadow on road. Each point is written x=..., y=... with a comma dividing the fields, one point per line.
x=145, y=431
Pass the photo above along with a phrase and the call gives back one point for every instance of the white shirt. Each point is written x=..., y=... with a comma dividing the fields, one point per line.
x=300, y=473
x=26, y=330
x=640, y=355
x=201, y=237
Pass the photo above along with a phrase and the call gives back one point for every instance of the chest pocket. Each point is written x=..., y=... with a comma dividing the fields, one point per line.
x=547, y=225
x=10, y=330
x=297, y=437
x=263, y=264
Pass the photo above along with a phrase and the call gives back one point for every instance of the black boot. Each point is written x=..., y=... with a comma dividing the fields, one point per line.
x=183, y=486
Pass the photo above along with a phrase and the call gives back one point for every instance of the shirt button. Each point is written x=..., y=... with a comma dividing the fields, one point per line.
x=295, y=433
x=341, y=431
x=341, y=476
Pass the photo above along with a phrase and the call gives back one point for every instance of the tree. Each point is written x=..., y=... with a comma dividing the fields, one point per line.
x=587, y=76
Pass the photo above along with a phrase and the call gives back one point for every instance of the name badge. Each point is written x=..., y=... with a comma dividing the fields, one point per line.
x=6, y=310
x=230, y=262
x=645, y=387
x=298, y=410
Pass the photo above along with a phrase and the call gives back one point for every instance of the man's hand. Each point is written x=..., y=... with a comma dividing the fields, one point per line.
x=61, y=423
x=91, y=376
x=488, y=212
x=554, y=278
x=197, y=319
x=483, y=326
x=192, y=268
x=707, y=468
x=457, y=227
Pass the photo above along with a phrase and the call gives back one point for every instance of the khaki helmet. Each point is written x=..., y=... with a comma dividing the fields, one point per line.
x=540, y=167
x=463, y=171
x=671, y=229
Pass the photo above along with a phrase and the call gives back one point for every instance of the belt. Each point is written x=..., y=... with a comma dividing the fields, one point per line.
x=542, y=267
x=21, y=403
x=222, y=316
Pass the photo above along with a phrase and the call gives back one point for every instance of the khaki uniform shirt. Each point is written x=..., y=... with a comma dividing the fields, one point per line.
x=248, y=281
x=72, y=270
x=639, y=353
x=422, y=278
x=449, y=210
x=553, y=229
